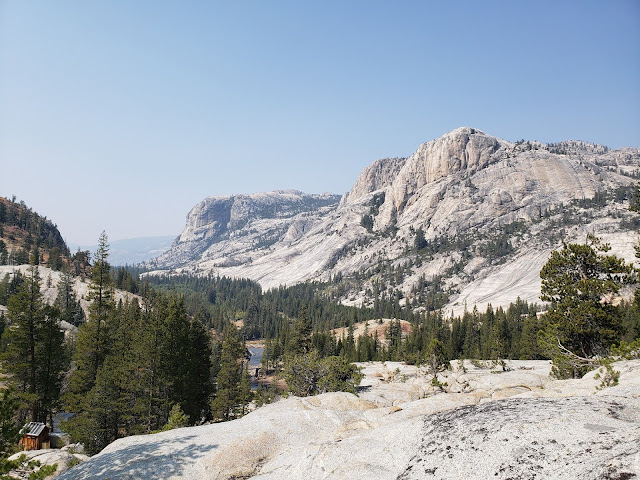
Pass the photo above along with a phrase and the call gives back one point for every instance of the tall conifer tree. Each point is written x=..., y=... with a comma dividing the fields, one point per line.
x=25, y=313
x=100, y=294
x=52, y=359
x=228, y=395
x=580, y=282
x=92, y=343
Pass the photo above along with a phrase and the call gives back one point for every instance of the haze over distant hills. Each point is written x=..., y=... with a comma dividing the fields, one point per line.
x=468, y=219
x=132, y=251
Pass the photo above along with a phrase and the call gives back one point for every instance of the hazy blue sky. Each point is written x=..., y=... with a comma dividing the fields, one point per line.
x=122, y=115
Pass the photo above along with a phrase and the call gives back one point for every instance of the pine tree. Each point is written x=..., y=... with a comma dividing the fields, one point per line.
x=9, y=427
x=67, y=302
x=97, y=424
x=100, y=295
x=177, y=419
x=228, y=399
x=4, y=254
x=528, y=345
x=52, y=359
x=582, y=323
x=299, y=340
x=394, y=335
x=349, y=346
x=251, y=323
x=55, y=259
x=196, y=358
x=436, y=360
x=25, y=312
x=471, y=345
x=420, y=241
x=244, y=391
x=153, y=383
x=634, y=202
x=499, y=340
x=125, y=360
x=487, y=332
x=92, y=347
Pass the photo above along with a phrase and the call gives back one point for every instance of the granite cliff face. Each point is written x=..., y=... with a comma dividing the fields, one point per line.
x=379, y=175
x=463, y=150
x=490, y=212
x=251, y=222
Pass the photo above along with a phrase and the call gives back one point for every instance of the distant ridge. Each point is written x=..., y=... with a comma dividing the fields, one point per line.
x=132, y=251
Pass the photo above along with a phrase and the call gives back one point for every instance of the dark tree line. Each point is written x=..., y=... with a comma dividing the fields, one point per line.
x=220, y=300
x=493, y=334
x=131, y=364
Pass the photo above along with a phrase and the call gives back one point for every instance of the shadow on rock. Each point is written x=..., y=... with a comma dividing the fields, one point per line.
x=143, y=460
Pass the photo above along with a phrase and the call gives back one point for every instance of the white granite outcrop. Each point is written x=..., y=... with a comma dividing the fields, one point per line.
x=515, y=424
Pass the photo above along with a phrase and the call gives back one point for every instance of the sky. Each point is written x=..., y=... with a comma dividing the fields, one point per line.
x=121, y=115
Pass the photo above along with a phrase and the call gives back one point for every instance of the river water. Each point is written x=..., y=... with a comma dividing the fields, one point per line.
x=256, y=357
x=254, y=364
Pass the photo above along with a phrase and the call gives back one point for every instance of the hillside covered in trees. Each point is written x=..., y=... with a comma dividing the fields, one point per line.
x=24, y=234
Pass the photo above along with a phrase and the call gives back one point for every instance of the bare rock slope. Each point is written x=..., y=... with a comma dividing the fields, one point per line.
x=487, y=207
x=49, y=281
x=227, y=229
x=579, y=438
x=516, y=424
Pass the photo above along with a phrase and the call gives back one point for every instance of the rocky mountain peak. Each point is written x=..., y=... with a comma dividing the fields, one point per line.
x=464, y=150
x=489, y=212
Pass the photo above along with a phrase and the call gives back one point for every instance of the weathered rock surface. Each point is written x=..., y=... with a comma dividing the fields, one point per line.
x=247, y=222
x=50, y=278
x=579, y=438
x=539, y=428
x=64, y=459
x=377, y=176
x=466, y=185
